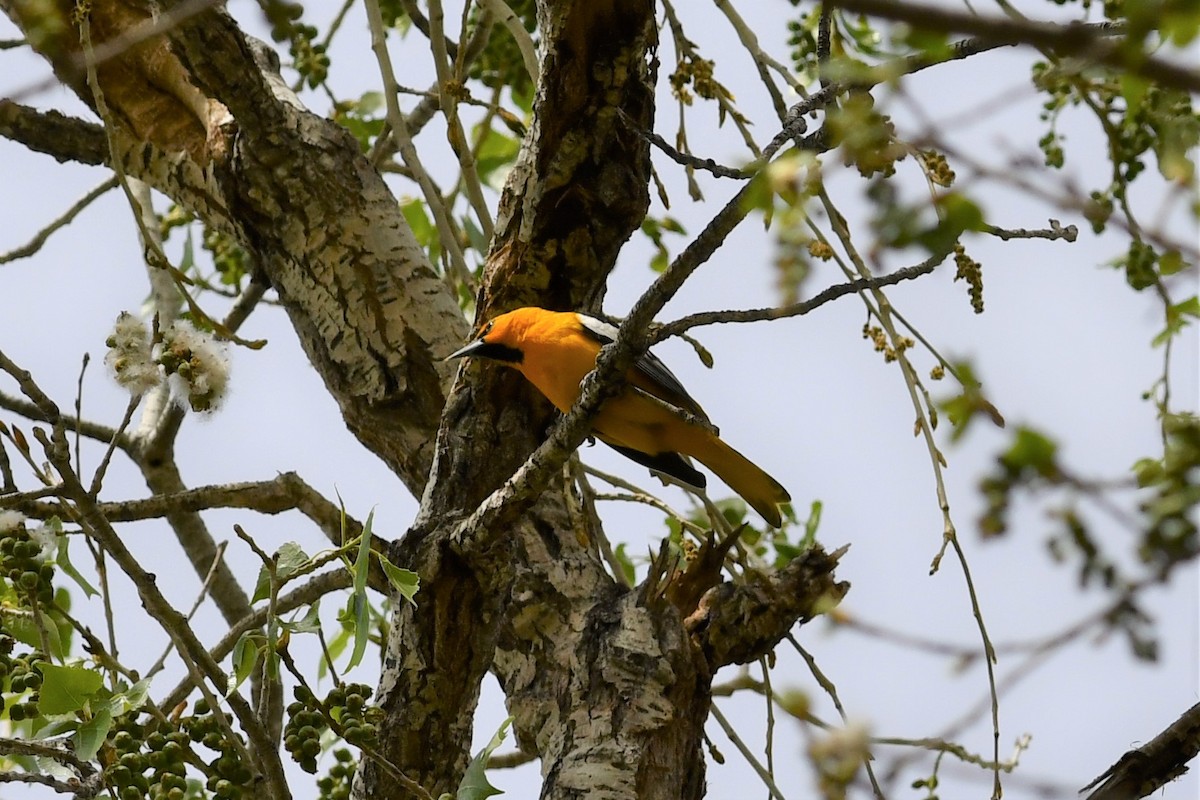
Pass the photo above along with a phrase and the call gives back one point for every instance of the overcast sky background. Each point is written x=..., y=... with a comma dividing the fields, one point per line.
x=1063, y=346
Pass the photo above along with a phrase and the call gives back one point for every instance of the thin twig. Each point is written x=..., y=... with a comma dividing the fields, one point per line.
x=305, y=594
x=41, y=237
x=447, y=231
x=98, y=478
x=448, y=84
x=830, y=689
x=204, y=589
x=828, y=295
x=732, y=733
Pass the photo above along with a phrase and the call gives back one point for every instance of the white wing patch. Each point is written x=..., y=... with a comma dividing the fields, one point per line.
x=649, y=364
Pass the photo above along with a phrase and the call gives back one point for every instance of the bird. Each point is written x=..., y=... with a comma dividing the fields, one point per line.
x=652, y=420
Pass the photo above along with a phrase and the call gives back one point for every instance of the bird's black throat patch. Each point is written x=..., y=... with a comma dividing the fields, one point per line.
x=498, y=352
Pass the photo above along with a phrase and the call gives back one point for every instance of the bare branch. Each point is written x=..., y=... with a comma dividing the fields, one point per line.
x=35, y=244
x=285, y=493
x=1141, y=772
x=677, y=327
x=45, y=749
x=1089, y=42
x=58, y=135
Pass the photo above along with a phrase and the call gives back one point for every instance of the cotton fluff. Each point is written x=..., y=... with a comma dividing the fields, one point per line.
x=197, y=363
x=10, y=521
x=130, y=357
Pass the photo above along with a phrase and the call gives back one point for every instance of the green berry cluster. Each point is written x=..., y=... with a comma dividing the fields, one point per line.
x=359, y=722
x=308, y=55
x=150, y=760
x=125, y=772
x=302, y=734
x=22, y=674
x=345, y=707
x=230, y=260
x=228, y=775
x=168, y=748
x=22, y=563
x=336, y=785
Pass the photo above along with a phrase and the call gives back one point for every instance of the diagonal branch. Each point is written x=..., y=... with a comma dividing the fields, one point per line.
x=1143, y=771
x=1090, y=43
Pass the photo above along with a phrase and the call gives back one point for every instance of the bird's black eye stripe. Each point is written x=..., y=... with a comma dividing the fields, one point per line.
x=487, y=329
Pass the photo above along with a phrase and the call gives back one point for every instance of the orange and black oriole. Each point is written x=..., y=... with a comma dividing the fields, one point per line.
x=556, y=350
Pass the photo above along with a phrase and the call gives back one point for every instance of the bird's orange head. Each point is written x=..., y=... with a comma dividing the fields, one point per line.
x=501, y=338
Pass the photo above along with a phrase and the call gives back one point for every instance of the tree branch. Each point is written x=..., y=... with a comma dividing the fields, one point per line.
x=737, y=623
x=1164, y=758
x=58, y=135
x=1088, y=42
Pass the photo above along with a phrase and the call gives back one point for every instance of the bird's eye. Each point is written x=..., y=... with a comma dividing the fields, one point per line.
x=487, y=329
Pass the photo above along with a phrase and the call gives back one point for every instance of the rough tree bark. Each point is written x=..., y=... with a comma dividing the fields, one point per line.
x=609, y=686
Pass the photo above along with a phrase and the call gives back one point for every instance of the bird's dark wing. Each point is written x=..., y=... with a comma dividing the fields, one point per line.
x=657, y=379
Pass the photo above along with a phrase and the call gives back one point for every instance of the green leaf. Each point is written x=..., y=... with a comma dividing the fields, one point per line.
x=244, y=657
x=310, y=622
x=362, y=563
x=811, y=524
x=1170, y=263
x=475, y=785
x=958, y=214
x=124, y=699
x=91, y=735
x=497, y=153
x=337, y=646
x=136, y=695
x=188, y=260
x=626, y=564
x=357, y=618
x=63, y=559
x=1031, y=450
x=759, y=195
x=1148, y=472
x=357, y=614
x=422, y=228
x=403, y=580
x=67, y=689
x=733, y=509
x=369, y=103
x=25, y=629
x=362, y=120
x=1177, y=319
x=479, y=242
x=290, y=558
x=934, y=44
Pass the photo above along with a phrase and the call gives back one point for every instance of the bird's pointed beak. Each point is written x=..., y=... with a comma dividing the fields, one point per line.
x=462, y=352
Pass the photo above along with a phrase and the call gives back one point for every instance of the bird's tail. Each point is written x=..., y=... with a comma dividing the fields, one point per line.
x=760, y=490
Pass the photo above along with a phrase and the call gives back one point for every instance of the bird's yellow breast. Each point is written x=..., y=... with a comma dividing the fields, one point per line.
x=556, y=360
